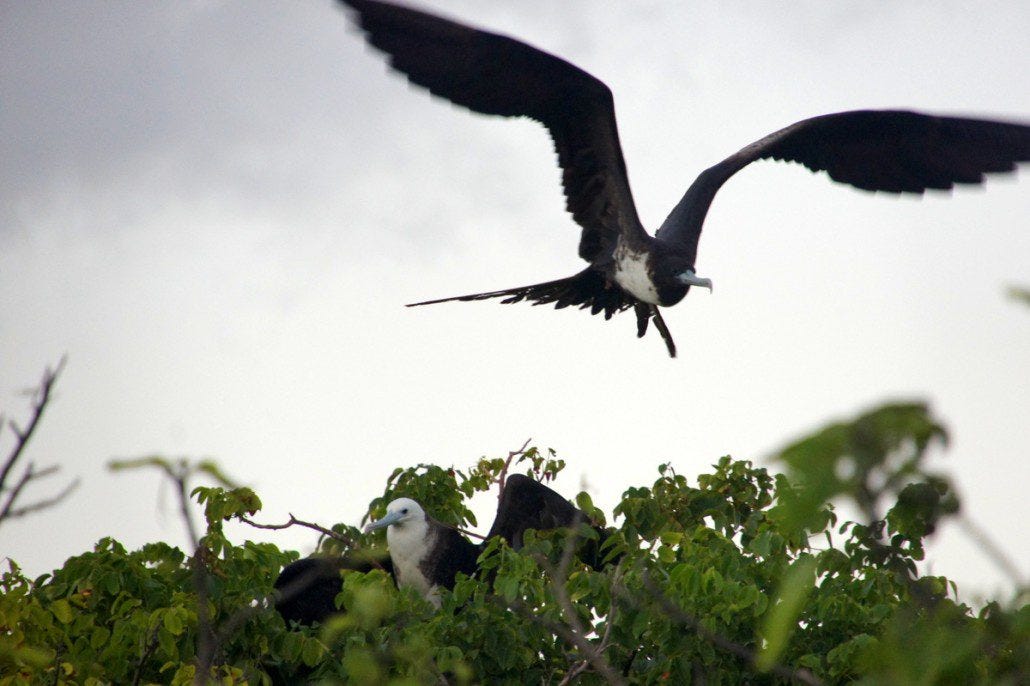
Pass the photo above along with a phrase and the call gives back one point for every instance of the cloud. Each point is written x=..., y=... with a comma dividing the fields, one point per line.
x=218, y=210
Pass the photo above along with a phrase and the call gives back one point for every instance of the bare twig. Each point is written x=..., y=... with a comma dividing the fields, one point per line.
x=578, y=669
x=471, y=534
x=179, y=478
x=293, y=521
x=503, y=476
x=335, y=535
x=983, y=539
x=346, y=540
x=27, y=476
x=23, y=510
x=800, y=675
x=42, y=395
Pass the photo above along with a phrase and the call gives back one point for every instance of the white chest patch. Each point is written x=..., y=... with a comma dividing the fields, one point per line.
x=631, y=274
x=408, y=547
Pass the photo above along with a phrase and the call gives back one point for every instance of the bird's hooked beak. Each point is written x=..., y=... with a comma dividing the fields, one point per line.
x=689, y=278
x=390, y=518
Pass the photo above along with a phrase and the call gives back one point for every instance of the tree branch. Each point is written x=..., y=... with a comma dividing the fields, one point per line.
x=575, y=633
x=293, y=521
x=503, y=475
x=207, y=642
x=27, y=476
x=15, y=512
x=1000, y=558
x=179, y=478
x=570, y=636
x=42, y=394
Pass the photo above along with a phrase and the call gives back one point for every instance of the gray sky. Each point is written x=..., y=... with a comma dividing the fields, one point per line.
x=217, y=210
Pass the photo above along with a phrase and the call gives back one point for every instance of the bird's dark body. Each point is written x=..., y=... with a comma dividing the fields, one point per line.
x=450, y=554
x=878, y=150
x=307, y=588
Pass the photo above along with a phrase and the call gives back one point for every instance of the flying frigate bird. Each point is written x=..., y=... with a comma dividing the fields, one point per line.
x=426, y=554
x=876, y=150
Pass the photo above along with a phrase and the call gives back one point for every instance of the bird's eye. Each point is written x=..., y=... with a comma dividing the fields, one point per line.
x=404, y=511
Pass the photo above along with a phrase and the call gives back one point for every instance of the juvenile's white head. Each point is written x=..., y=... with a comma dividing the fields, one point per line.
x=405, y=520
x=408, y=535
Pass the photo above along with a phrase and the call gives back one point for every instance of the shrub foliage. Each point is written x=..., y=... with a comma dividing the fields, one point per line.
x=736, y=576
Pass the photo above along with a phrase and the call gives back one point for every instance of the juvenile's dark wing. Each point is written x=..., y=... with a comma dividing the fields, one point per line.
x=307, y=589
x=494, y=74
x=876, y=150
x=452, y=553
x=528, y=504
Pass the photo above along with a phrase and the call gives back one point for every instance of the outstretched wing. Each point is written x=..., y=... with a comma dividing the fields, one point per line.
x=528, y=504
x=587, y=289
x=494, y=74
x=876, y=150
x=306, y=590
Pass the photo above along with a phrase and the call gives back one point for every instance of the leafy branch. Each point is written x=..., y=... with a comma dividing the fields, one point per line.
x=715, y=579
x=749, y=656
x=181, y=471
x=573, y=631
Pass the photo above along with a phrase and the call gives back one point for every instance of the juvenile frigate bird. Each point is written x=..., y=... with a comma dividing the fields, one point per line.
x=876, y=150
x=427, y=554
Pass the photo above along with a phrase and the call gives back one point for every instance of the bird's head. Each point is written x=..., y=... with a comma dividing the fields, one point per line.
x=674, y=276
x=398, y=513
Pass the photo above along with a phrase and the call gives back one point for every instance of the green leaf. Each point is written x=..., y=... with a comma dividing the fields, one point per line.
x=360, y=667
x=781, y=619
x=173, y=621
x=312, y=651
x=167, y=643
x=62, y=610
x=99, y=637
x=584, y=501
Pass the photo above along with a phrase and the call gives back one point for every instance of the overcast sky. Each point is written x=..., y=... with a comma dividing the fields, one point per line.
x=218, y=209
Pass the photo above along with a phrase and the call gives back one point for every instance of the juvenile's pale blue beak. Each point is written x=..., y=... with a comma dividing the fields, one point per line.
x=689, y=278
x=390, y=518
